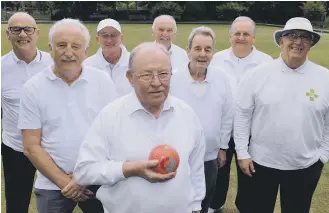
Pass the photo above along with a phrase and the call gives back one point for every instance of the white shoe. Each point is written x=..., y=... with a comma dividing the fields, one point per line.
x=210, y=210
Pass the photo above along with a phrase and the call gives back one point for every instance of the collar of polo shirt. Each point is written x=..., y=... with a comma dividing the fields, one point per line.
x=249, y=59
x=36, y=59
x=51, y=75
x=170, y=49
x=137, y=106
x=191, y=80
x=122, y=57
x=285, y=68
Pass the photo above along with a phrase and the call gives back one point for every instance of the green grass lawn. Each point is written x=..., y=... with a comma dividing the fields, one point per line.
x=137, y=33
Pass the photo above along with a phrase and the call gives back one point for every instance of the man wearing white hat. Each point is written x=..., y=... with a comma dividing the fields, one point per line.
x=164, y=29
x=112, y=56
x=283, y=105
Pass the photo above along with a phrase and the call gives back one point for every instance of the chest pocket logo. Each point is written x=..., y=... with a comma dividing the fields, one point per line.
x=312, y=95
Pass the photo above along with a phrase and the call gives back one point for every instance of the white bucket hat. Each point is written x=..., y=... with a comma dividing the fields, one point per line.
x=297, y=23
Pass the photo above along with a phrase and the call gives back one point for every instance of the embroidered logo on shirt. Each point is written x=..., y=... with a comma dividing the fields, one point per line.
x=312, y=95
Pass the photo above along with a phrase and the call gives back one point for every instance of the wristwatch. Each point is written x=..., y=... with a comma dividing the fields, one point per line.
x=223, y=149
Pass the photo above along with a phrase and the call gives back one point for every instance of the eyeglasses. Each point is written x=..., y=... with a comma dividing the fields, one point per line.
x=17, y=30
x=107, y=36
x=294, y=36
x=147, y=77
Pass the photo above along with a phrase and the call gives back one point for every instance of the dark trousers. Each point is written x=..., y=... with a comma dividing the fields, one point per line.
x=19, y=177
x=52, y=201
x=223, y=181
x=296, y=189
x=210, y=170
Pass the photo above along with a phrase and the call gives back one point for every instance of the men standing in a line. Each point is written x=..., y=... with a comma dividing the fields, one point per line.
x=17, y=66
x=164, y=30
x=112, y=56
x=208, y=92
x=57, y=108
x=236, y=61
x=116, y=150
x=283, y=104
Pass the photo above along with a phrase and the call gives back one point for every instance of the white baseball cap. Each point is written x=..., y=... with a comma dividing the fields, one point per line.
x=297, y=23
x=108, y=23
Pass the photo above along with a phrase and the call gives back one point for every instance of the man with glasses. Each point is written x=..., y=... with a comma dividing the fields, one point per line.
x=283, y=105
x=116, y=150
x=112, y=56
x=17, y=66
x=235, y=62
x=208, y=92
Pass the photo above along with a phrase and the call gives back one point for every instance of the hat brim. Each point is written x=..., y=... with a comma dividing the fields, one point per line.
x=278, y=34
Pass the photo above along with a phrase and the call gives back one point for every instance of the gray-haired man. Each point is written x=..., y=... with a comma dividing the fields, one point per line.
x=236, y=61
x=57, y=108
x=164, y=29
x=207, y=90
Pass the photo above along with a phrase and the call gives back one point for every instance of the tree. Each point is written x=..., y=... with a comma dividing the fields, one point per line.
x=211, y=9
x=105, y=8
x=121, y=5
x=230, y=10
x=195, y=11
x=315, y=11
x=326, y=23
x=16, y=5
x=83, y=9
x=168, y=8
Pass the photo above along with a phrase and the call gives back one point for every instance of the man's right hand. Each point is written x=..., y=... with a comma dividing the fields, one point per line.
x=247, y=166
x=72, y=190
x=144, y=169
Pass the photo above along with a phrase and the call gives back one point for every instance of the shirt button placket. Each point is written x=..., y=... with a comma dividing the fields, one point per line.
x=70, y=97
x=26, y=68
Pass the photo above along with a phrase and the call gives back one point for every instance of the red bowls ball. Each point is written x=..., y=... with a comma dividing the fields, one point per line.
x=168, y=158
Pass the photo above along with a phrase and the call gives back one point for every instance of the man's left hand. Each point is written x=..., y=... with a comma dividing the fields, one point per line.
x=221, y=158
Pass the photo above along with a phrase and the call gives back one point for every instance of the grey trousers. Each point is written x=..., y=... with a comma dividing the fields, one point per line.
x=52, y=201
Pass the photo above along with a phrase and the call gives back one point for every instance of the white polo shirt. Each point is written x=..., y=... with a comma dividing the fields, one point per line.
x=125, y=131
x=64, y=113
x=116, y=71
x=211, y=100
x=178, y=56
x=288, y=114
x=235, y=68
x=14, y=73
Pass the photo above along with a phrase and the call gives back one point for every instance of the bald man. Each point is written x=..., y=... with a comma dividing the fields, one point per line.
x=119, y=161
x=164, y=30
x=17, y=66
